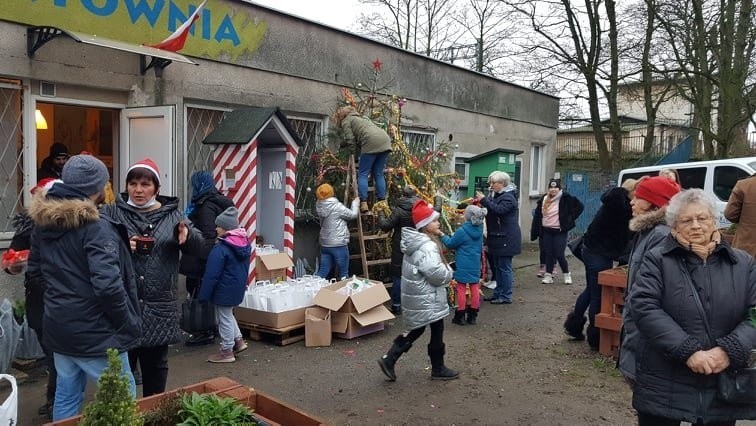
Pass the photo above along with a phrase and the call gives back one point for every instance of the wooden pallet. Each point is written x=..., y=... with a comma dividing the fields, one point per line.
x=279, y=336
x=609, y=321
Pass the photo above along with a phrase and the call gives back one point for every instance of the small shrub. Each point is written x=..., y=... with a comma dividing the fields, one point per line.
x=166, y=412
x=113, y=404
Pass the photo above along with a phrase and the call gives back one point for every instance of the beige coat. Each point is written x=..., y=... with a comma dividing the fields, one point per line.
x=741, y=209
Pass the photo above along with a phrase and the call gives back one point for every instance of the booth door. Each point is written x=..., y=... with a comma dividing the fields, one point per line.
x=271, y=195
x=149, y=132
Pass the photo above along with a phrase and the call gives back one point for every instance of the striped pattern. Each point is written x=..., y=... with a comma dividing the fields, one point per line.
x=244, y=193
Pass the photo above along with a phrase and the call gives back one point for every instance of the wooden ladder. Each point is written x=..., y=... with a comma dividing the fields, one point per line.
x=375, y=234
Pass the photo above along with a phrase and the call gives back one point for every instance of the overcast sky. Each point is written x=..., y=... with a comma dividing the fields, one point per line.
x=341, y=14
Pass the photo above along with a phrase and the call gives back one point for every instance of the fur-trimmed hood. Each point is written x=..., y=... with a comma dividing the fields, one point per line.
x=61, y=210
x=648, y=220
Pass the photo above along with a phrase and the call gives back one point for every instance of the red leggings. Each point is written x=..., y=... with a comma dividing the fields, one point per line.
x=462, y=296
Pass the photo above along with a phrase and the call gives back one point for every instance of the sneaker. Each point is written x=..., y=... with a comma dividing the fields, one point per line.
x=567, y=278
x=200, y=339
x=501, y=302
x=490, y=284
x=547, y=278
x=239, y=345
x=541, y=271
x=222, y=356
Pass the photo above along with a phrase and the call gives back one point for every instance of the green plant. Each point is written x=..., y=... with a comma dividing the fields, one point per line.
x=209, y=409
x=19, y=310
x=165, y=412
x=113, y=403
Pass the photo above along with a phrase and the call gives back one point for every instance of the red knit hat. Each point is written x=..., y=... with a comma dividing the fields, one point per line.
x=423, y=214
x=657, y=190
x=148, y=164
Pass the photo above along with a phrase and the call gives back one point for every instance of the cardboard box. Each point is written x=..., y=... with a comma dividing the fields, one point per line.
x=270, y=319
x=317, y=327
x=272, y=267
x=356, y=315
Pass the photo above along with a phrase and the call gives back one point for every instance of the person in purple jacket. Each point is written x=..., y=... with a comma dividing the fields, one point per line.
x=225, y=282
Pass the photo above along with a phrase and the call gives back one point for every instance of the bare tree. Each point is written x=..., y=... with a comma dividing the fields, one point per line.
x=490, y=25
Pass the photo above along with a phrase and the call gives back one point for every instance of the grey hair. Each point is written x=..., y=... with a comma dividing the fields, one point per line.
x=500, y=177
x=687, y=197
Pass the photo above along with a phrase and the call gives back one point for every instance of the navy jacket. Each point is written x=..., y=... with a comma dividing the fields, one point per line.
x=502, y=226
x=206, y=208
x=225, y=279
x=468, y=243
x=91, y=298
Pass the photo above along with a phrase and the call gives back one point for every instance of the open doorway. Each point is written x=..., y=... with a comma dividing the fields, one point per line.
x=78, y=128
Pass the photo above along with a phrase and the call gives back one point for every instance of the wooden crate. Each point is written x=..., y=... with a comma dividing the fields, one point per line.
x=280, y=336
x=613, y=283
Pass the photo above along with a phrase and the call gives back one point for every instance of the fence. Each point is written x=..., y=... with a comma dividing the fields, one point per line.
x=583, y=146
x=588, y=188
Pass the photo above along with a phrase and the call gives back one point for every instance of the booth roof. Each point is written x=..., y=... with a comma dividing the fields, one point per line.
x=242, y=125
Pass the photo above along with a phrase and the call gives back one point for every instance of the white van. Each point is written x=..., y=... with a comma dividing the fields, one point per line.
x=717, y=177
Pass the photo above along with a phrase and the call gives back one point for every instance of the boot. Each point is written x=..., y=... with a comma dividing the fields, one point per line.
x=573, y=326
x=438, y=370
x=387, y=361
x=459, y=318
x=592, y=335
x=472, y=316
x=364, y=207
x=547, y=278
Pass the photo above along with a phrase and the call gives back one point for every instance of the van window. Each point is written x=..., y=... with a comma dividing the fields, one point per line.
x=692, y=177
x=725, y=178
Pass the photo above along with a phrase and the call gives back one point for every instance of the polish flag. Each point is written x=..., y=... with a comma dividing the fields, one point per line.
x=176, y=41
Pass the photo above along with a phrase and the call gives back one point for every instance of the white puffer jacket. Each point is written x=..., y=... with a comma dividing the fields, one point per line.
x=334, y=231
x=424, y=279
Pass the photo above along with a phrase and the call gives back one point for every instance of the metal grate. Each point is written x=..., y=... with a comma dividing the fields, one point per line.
x=418, y=143
x=199, y=123
x=11, y=153
x=311, y=134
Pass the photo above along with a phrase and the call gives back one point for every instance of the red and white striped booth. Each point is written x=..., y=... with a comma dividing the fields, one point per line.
x=254, y=164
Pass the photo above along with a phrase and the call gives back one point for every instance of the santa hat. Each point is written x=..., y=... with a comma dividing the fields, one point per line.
x=423, y=214
x=657, y=190
x=148, y=164
x=45, y=184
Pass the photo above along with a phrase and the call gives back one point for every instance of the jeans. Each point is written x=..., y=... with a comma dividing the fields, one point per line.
x=72, y=381
x=590, y=298
x=330, y=256
x=502, y=266
x=153, y=361
x=374, y=163
x=396, y=291
x=227, y=326
x=554, y=245
x=461, y=291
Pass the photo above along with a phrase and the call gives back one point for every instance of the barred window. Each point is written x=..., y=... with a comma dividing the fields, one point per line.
x=310, y=132
x=418, y=142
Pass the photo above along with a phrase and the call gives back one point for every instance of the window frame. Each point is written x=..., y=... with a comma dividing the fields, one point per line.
x=536, y=173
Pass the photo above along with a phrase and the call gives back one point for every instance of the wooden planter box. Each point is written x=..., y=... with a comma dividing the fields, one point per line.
x=266, y=408
x=613, y=283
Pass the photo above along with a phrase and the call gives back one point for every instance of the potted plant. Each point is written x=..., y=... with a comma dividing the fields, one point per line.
x=209, y=409
x=113, y=403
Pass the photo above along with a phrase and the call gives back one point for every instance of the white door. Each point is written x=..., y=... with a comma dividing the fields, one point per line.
x=149, y=132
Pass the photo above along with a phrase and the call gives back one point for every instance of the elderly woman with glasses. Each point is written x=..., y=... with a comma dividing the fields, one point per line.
x=690, y=304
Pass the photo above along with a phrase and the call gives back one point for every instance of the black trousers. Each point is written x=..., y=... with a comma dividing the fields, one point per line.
x=153, y=362
x=52, y=374
x=436, y=338
x=651, y=420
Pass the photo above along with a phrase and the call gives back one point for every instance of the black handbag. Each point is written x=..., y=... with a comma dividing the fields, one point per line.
x=196, y=316
x=576, y=247
x=734, y=385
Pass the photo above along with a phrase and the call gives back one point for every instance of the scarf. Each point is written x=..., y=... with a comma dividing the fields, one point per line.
x=146, y=205
x=548, y=200
x=202, y=183
x=701, y=250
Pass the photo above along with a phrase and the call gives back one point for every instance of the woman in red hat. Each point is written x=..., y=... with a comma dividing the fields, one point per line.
x=425, y=275
x=156, y=222
x=649, y=205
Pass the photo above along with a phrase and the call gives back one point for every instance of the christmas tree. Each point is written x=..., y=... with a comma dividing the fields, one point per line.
x=113, y=403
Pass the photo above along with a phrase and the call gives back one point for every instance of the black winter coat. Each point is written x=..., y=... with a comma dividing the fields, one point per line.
x=34, y=285
x=504, y=237
x=672, y=326
x=608, y=233
x=570, y=209
x=157, y=273
x=401, y=216
x=206, y=210
x=90, y=300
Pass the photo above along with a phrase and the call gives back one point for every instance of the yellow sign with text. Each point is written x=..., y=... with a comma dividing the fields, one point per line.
x=224, y=30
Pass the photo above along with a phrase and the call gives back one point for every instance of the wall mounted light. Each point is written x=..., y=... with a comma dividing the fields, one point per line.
x=40, y=120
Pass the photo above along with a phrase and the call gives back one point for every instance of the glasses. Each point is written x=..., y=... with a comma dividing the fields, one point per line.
x=702, y=220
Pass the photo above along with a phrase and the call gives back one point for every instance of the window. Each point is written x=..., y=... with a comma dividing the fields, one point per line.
x=536, y=169
x=418, y=142
x=725, y=178
x=310, y=131
x=692, y=177
x=462, y=170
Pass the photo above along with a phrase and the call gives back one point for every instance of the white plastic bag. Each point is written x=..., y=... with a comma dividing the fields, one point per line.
x=28, y=344
x=9, y=408
x=9, y=332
